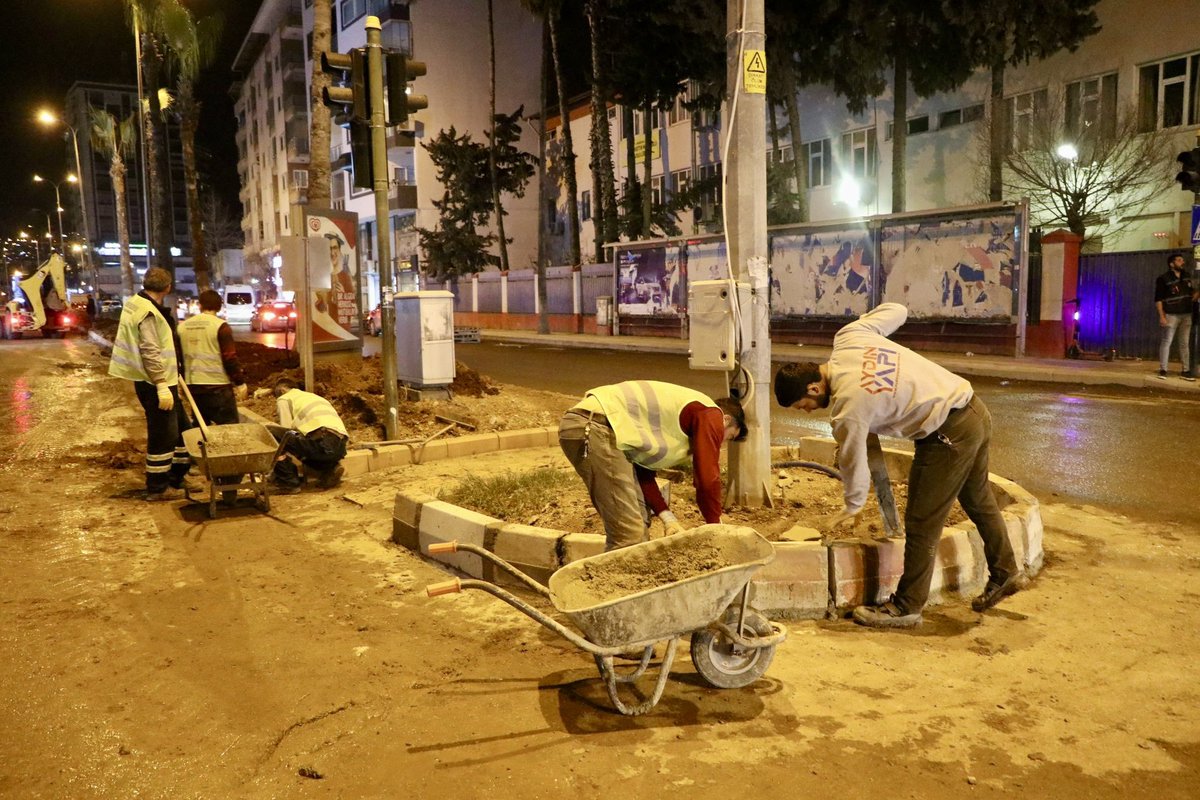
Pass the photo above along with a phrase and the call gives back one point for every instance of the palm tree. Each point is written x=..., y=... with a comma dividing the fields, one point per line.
x=318, y=167
x=193, y=46
x=117, y=141
x=603, y=181
x=158, y=240
x=550, y=10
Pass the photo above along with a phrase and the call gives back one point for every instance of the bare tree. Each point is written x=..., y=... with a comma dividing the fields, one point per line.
x=1091, y=178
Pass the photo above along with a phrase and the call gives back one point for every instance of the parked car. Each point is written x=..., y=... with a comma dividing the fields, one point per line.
x=276, y=315
x=375, y=321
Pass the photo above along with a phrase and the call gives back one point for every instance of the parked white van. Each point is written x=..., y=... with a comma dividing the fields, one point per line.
x=239, y=300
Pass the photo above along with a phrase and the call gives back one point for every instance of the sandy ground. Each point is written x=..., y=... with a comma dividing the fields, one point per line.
x=147, y=651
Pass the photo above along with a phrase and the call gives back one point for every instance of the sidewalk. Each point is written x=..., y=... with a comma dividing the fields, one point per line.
x=1122, y=372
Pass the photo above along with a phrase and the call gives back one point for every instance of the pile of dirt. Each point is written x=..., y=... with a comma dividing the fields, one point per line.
x=106, y=327
x=355, y=389
x=803, y=500
x=260, y=363
x=117, y=455
x=612, y=579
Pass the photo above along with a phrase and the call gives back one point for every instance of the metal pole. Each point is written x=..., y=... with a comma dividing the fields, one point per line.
x=379, y=177
x=745, y=199
x=58, y=205
x=87, y=237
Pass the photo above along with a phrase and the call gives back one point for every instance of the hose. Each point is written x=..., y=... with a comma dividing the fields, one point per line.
x=828, y=470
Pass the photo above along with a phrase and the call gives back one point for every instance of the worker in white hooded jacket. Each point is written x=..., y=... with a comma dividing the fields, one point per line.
x=873, y=385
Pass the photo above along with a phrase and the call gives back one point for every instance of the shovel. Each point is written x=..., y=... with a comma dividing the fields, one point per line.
x=883, y=487
x=195, y=411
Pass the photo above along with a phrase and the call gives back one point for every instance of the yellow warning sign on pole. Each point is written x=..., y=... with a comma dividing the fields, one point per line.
x=754, y=71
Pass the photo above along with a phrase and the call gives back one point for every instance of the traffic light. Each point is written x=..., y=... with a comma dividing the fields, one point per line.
x=1189, y=177
x=400, y=70
x=349, y=69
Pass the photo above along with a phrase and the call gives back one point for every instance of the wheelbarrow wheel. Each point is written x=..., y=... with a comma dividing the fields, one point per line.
x=723, y=663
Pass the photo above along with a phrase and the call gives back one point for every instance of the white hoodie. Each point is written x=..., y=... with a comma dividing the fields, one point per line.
x=878, y=386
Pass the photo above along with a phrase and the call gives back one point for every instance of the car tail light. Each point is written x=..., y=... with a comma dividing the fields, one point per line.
x=268, y=315
x=292, y=314
x=67, y=319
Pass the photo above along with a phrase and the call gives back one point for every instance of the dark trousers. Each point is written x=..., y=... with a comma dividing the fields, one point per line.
x=167, y=460
x=951, y=463
x=216, y=403
x=319, y=451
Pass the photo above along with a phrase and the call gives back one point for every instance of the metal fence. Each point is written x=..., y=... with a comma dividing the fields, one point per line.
x=1116, y=302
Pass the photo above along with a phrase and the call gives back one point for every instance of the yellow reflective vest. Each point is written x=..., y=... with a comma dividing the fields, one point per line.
x=311, y=411
x=644, y=415
x=202, y=364
x=126, y=359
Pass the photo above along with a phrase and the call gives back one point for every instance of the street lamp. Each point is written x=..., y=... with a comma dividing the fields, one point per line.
x=57, y=204
x=47, y=118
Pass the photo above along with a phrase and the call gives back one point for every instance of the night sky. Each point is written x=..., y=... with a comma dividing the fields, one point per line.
x=51, y=44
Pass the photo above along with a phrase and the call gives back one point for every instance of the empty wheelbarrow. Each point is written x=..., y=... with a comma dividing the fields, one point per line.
x=627, y=601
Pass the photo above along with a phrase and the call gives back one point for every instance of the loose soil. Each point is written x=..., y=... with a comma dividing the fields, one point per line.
x=608, y=580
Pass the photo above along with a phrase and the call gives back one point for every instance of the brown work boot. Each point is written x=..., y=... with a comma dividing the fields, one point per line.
x=995, y=591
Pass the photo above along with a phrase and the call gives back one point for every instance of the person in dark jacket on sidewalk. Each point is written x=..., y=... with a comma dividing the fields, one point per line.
x=1173, y=298
x=873, y=385
x=145, y=352
x=617, y=436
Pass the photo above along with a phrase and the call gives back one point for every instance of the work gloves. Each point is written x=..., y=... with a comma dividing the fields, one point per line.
x=670, y=523
x=165, y=399
x=241, y=392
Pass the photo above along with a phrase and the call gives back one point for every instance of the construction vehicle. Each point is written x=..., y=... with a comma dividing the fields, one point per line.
x=44, y=310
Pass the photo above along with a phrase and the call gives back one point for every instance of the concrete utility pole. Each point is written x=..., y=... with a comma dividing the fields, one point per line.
x=746, y=228
x=379, y=179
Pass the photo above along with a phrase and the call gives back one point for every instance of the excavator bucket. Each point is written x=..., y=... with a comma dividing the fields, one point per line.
x=55, y=270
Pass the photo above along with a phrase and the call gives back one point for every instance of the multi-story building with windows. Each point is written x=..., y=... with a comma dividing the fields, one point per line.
x=99, y=200
x=271, y=105
x=1142, y=63
x=451, y=37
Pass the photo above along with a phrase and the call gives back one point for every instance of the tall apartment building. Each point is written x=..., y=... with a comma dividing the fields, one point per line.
x=451, y=37
x=99, y=201
x=270, y=93
x=1141, y=62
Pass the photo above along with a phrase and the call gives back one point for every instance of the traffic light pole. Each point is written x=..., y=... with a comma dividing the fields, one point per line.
x=379, y=179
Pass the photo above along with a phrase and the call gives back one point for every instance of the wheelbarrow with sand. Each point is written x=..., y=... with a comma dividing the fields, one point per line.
x=629, y=600
x=233, y=458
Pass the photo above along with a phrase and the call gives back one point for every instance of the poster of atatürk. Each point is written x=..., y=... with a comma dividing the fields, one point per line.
x=335, y=316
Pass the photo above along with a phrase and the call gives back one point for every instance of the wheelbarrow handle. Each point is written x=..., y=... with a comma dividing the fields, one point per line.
x=445, y=587
x=438, y=548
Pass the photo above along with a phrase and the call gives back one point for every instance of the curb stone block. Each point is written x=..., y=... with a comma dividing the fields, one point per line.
x=357, y=462
x=580, y=545
x=391, y=455
x=796, y=583
x=406, y=535
x=532, y=550
x=444, y=522
x=551, y=435
x=522, y=439
x=432, y=451
x=472, y=445
x=960, y=569
x=865, y=572
x=1032, y=539
x=406, y=519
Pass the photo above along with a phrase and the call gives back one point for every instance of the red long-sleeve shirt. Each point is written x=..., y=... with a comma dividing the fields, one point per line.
x=705, y=429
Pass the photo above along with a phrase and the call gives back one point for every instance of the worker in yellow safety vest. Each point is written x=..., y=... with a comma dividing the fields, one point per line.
x=210, y=363
x=145, y=352
x=315, y=436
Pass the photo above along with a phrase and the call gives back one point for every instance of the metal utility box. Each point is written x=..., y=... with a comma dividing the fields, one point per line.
x=713, y=323
x=425, y=338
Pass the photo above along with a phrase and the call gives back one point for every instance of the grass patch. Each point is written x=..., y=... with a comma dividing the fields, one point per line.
x=512, y=495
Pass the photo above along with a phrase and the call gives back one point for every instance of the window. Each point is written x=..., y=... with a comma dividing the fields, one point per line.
x=710, y=201
x=656, y=189
x=678, y=112
x=639, y=117
x=858, y=153
x=820, y=163
x=707, y=118
x=915, y=125
x=782, y=155
x=1169, y=94
x=1020, y=111
x=948, y=119
x=1092, y=105
x=681, y=179
x=585, y=205
x=300, y=178
x=351, y=10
